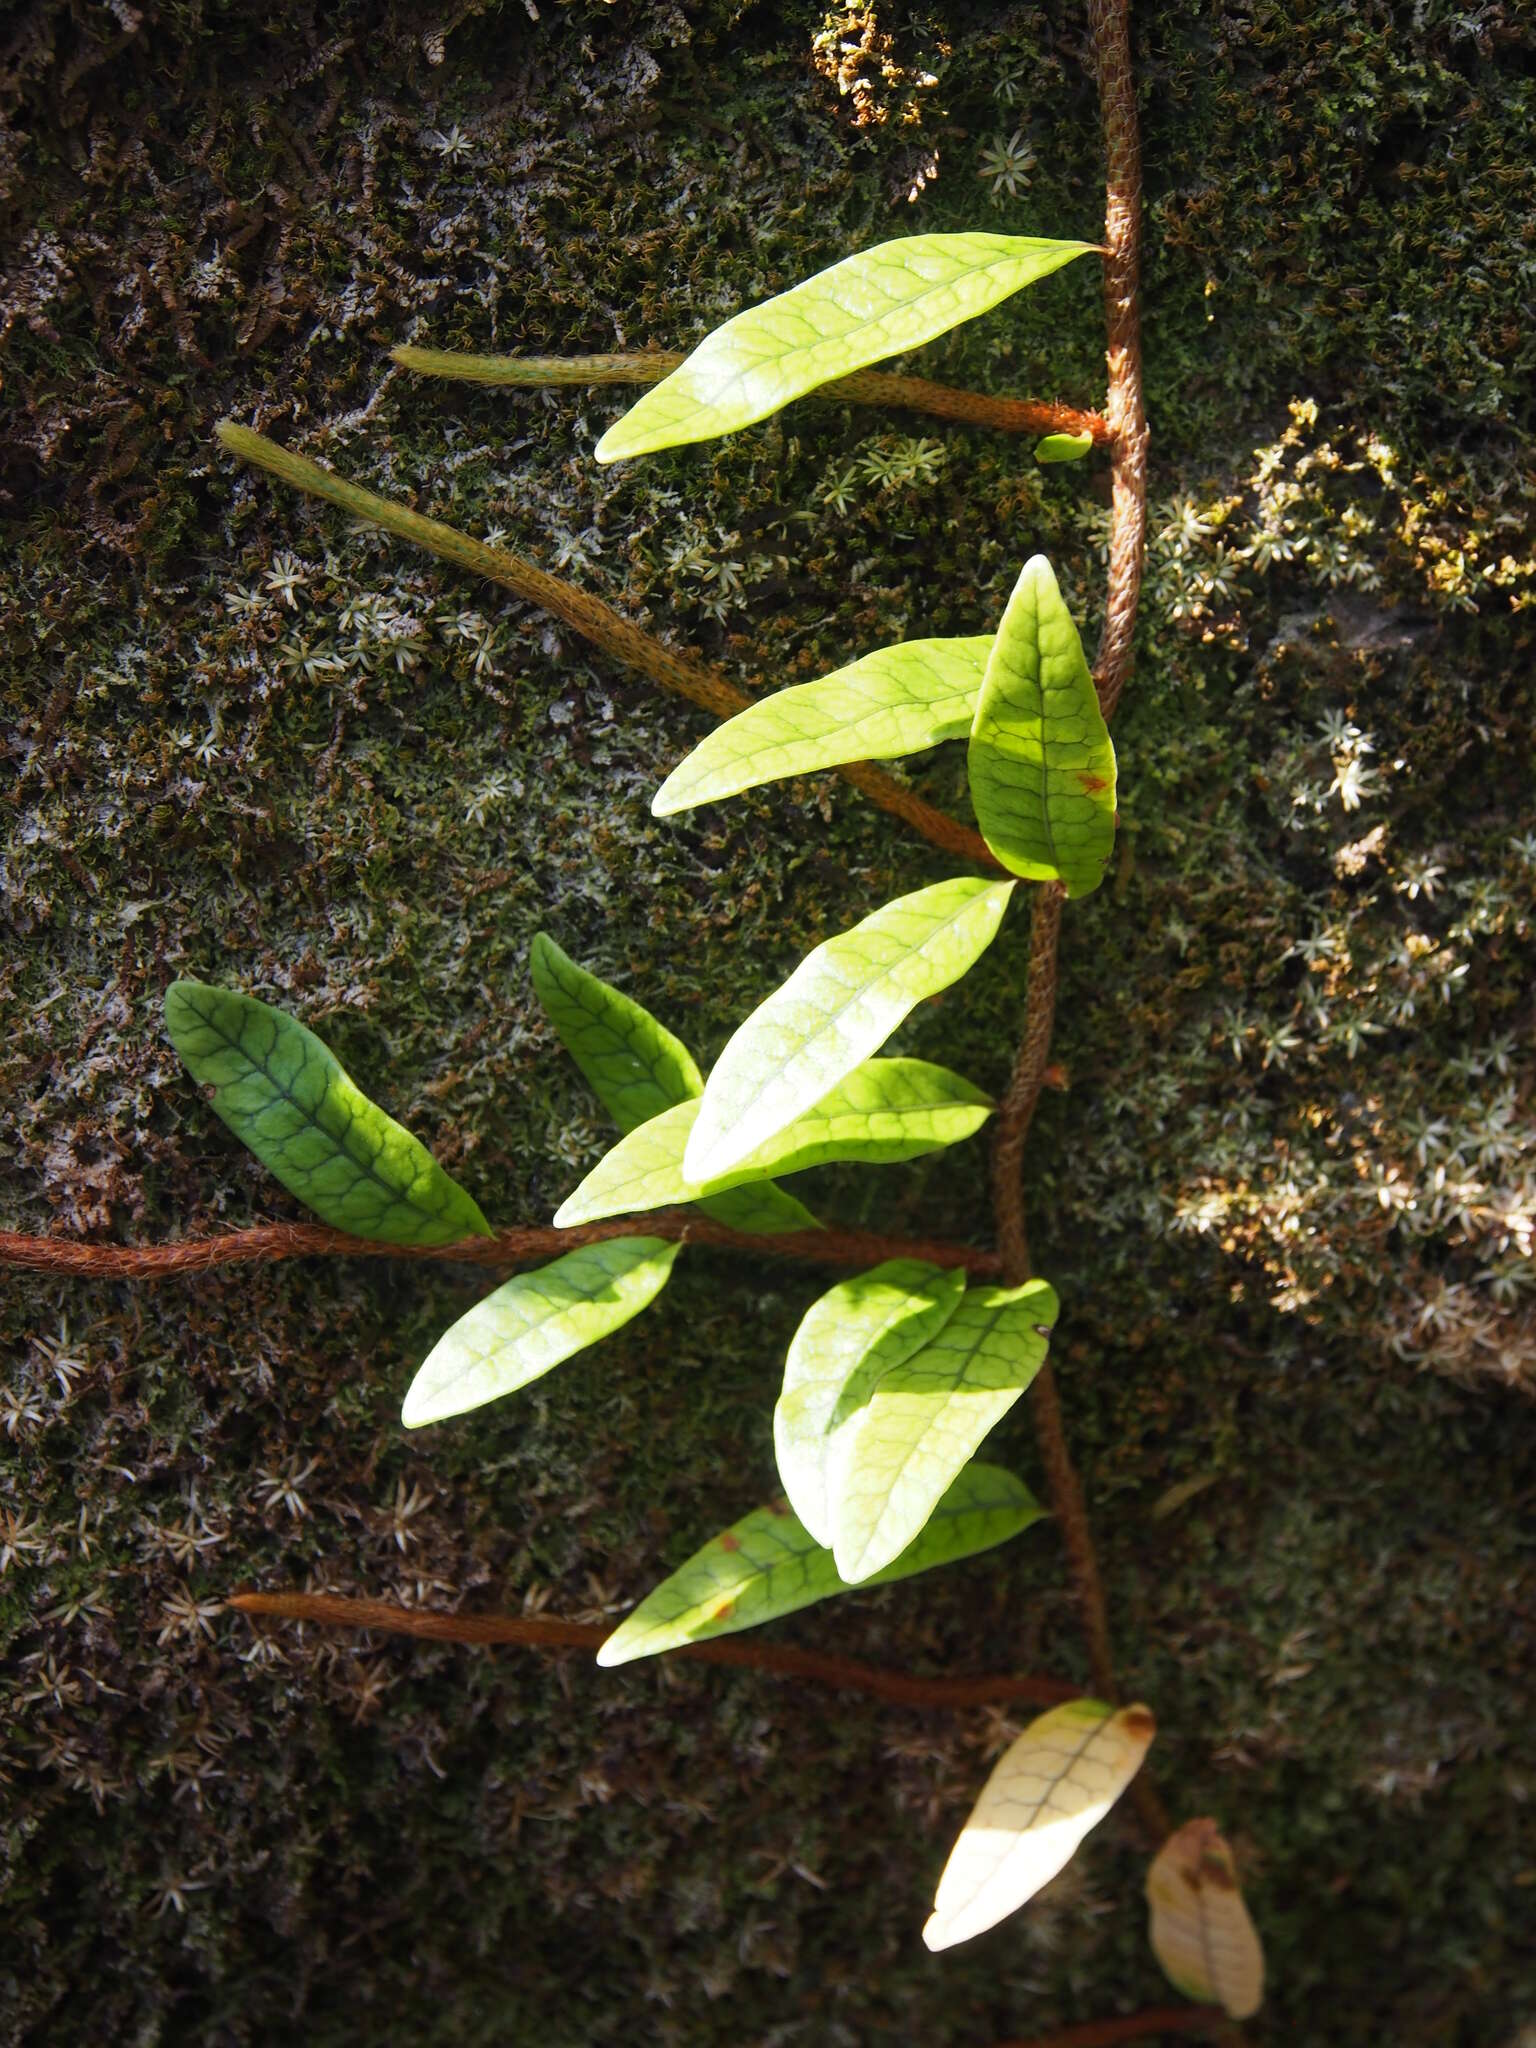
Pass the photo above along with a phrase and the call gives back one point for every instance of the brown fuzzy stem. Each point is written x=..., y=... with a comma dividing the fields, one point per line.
x=865, y=387
x=542, y=1632
x=1109, y=25
x=265, y=1241
x=587, y=615
x=1016, y=1112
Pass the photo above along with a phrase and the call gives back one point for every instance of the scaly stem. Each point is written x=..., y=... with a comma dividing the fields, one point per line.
x=866, y=387
x=588, y=615
x=268, y=1241
x=543, y=1632
x=1109, y=27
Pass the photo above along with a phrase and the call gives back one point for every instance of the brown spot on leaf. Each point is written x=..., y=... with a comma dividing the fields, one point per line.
x=730, y=1542
x=1092, y=783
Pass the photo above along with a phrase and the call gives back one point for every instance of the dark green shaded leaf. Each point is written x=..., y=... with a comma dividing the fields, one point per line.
x=285, y=1095
x=1041, y=765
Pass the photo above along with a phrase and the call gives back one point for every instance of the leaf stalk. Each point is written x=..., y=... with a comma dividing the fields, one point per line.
x=865, y=387
x=587, y=615
x=270, y=1241
x=544, y=1632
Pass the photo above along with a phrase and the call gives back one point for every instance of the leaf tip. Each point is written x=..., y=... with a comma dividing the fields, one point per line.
x=1139, y=1722
x=617, y=1648
x=938, y=1934
x=416, y=1408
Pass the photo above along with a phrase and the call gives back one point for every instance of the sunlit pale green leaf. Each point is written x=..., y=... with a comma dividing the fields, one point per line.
x=638, y=1069
x=286, y=1095
x=634, y=1064
x=766, y=1565
x=1063, y=447
x=893, y=1453
x=883, y=1112
x=1199, y=1926
x=534, y=1322
x=1055, y=1783
x=840, y=1005
x=894, y=701
x=857, y=1330
x=1042, y=768
x=872, y=305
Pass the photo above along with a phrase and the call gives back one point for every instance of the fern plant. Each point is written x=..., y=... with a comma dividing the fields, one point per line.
x=896, y=1374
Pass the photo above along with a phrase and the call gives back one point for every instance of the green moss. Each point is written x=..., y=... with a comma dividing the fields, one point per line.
x=1279, y=1197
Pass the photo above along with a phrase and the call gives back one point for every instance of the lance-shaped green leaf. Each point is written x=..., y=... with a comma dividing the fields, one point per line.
x=1063, y=447
x=767, y=1564
x=854, y=1333
x=638, y=1069
x=534, y=1322
x=1042, y=768
x=875, y=304
x=1057, y=1781
x=897, y=700
x=286, y=1095
x=840, y=1005
x=634, y=1064
x=884, y=1112
x=896, y=1446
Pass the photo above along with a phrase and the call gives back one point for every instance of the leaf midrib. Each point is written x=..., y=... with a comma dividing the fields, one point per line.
x=364, y=1167
x=886, y=975
x=803, y=348
x=917, y=1442
x=598, y=1018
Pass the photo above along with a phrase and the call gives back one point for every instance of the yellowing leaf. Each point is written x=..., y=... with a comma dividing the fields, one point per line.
x=857, y=1330
x=1056, y=1782
x=1199, y=1928
x=534, y=1322
x=884, y=1112
x=1041, y=765
x=767, y=1564
x=840, y=1005
x=286, y=1095
x=871, y=305
x=897, y=700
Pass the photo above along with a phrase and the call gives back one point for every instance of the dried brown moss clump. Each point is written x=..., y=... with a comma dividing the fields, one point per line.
x=1285, y=1193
